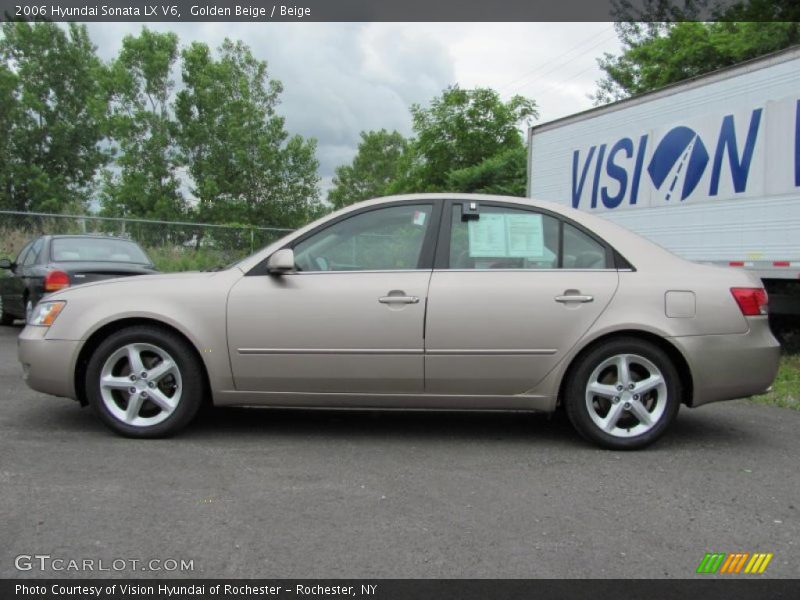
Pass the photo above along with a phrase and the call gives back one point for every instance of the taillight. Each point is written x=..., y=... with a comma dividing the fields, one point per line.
x=55, y=280
x=751, y=301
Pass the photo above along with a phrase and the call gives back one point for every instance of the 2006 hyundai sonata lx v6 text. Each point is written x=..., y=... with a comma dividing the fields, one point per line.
x=429, y=301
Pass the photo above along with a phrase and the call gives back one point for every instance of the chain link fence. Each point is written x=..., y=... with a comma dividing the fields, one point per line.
x=172, y=245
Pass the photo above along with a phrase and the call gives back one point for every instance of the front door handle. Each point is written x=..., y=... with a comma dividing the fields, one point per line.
x=398, y=299
x=573, y=298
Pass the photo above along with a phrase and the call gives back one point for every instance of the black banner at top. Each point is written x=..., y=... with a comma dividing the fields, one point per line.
x=381, y=10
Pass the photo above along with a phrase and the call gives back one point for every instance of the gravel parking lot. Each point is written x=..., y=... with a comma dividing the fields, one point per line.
x=289, y=494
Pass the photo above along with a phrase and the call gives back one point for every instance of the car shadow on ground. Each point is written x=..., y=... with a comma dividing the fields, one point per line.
x=692, y=429
x=387, y=424
x=538, y=429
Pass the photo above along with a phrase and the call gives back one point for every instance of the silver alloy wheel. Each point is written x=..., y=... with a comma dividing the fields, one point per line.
x=626, y=395
x=140, y=385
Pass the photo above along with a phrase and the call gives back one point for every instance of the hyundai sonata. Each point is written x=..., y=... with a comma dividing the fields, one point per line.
x=429, y=301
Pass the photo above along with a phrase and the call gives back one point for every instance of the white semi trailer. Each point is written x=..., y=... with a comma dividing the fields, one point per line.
x=708, y=168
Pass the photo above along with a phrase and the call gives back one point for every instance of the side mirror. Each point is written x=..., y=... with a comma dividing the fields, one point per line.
x=6, y=264
x=281, y=262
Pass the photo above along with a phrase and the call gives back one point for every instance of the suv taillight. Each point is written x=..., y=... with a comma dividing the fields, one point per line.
x=55, y=280
x=751, y=301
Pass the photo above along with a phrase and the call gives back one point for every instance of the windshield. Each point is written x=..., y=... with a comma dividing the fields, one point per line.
x=97, y=250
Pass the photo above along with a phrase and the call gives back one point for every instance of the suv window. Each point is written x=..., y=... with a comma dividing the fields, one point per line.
x=385, y=239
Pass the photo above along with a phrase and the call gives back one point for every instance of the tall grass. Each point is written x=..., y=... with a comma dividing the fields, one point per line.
x=170, y=259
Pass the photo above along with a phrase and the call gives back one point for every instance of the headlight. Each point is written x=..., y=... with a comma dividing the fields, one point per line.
x=46, y=313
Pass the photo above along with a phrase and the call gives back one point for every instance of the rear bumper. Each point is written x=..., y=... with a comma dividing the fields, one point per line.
x=726, y=367
x=48, y=365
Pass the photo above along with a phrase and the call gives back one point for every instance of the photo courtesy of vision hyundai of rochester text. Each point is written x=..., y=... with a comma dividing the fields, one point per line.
x=428, y=301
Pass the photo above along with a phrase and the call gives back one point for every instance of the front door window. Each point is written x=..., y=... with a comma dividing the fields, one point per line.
x=386, y=239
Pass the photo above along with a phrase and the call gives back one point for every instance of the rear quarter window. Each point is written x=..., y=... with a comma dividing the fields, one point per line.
x=582, y=251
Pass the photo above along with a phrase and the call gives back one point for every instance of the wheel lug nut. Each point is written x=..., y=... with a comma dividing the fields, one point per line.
x=619, y=387
x=144, y=395
x=631, y=386
x=151, y=384
x=636, y=396
x=144, y=374
x=133, y=377
x=616, y=399
x=132, y=390
x=627, y=406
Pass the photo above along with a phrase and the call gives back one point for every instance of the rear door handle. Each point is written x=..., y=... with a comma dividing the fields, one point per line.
x=573, y=298
x=398, y=299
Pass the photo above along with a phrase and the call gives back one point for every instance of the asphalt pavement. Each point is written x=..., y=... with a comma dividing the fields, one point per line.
x=294, y=494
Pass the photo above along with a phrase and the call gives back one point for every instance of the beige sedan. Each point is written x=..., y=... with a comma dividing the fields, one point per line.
x=439, y=301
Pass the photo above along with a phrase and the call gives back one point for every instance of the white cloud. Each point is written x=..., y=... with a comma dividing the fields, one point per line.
x=343, y=78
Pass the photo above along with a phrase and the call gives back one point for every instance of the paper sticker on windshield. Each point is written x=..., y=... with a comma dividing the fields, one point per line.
x=506, y=236
x=525, y=235
x=487, y=236
x=419, y=218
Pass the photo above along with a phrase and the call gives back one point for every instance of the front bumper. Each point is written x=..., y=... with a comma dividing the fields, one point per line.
x=726, y=367
x=48, y=365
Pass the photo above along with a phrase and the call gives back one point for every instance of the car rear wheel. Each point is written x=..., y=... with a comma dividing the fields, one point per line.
x=5, y=318
x=623, y=394
x=145, y=382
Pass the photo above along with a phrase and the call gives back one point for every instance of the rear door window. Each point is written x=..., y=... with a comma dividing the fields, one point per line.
x=500, y=237
x=503, y=238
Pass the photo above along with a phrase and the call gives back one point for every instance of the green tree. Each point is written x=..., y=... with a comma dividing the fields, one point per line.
x=460, y=129
x=144, y=181
x=762, y=10
x=8, y=116
x=245, y=166
x=374, y=167
x=504, y=173
x=54, y=116
x=658, y=53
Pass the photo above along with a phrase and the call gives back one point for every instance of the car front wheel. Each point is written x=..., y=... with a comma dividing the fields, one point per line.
x=145, y=382
x=623, y=394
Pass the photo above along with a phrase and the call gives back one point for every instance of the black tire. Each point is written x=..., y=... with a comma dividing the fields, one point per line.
x=577, y=402
x=5, y=318
x=190, y=373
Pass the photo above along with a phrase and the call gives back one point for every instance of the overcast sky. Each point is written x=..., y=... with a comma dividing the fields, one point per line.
x=342, y=78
